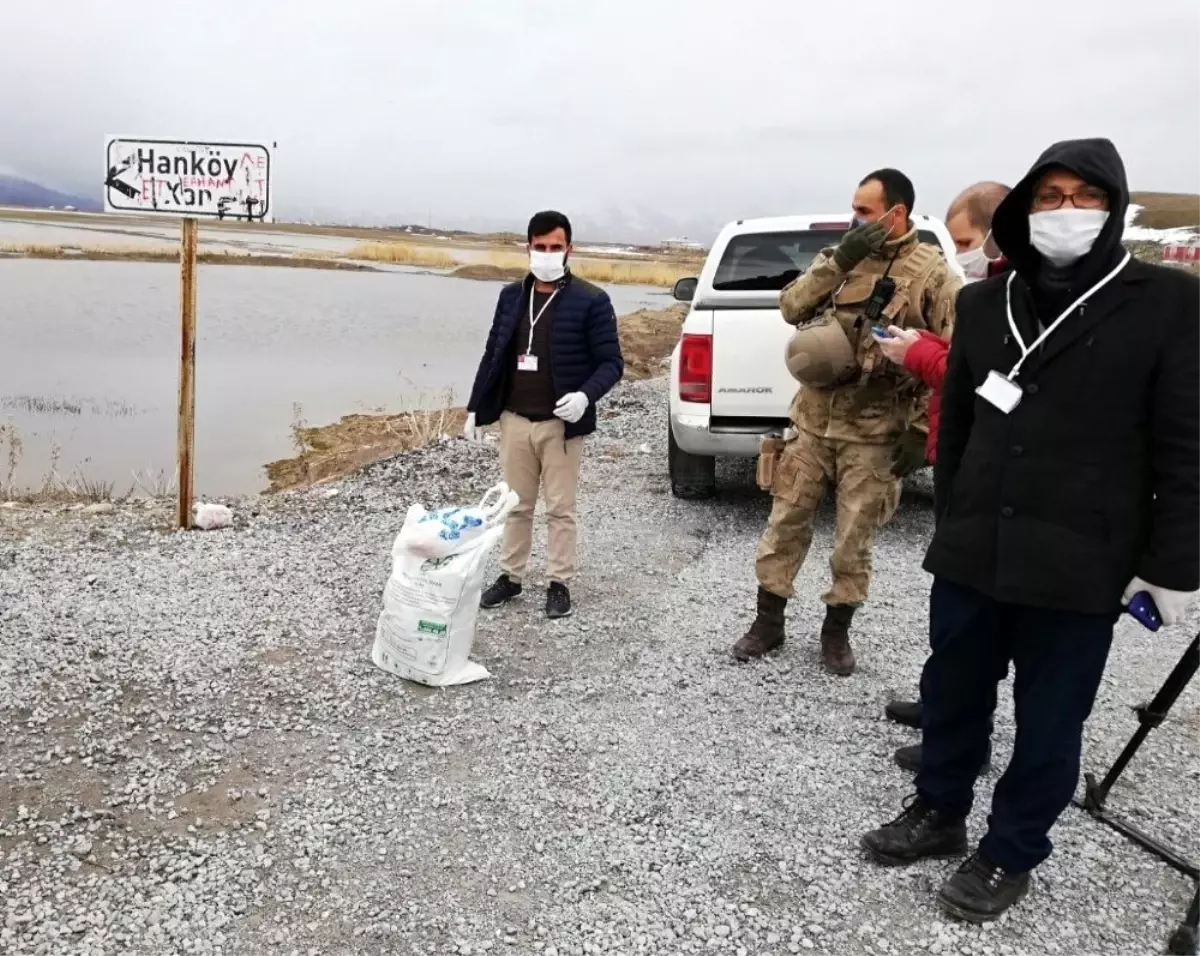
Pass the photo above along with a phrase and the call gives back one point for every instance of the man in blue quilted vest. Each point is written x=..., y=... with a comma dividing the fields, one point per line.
x=551, y=355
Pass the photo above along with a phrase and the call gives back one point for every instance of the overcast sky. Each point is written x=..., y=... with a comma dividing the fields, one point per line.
x=647, y=114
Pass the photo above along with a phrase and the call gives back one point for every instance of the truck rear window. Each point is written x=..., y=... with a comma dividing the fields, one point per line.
x=765, y=262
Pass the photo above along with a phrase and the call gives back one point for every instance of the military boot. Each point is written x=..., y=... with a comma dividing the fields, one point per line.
x=836, y=654
x=766, y=633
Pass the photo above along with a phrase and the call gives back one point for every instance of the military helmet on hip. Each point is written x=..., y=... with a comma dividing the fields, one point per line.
x=819, y=353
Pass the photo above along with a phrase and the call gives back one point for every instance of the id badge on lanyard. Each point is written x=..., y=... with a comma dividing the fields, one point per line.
x=1002, y=391
x=527, y=361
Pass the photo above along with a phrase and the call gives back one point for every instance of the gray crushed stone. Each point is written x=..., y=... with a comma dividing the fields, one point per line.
x=199, y=757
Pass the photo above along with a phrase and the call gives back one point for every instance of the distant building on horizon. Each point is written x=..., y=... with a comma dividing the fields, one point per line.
x=681, y=242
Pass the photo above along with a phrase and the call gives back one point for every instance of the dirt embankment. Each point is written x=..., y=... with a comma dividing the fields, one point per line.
x=328, y=452
x=490, y=273
x=647, y=338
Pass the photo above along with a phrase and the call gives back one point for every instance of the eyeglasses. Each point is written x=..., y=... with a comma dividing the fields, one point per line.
x=1089, y=197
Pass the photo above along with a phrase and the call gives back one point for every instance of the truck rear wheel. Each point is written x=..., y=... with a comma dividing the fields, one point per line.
x=692, y=476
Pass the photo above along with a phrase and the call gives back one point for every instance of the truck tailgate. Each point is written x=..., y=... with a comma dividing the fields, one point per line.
x=750, y=378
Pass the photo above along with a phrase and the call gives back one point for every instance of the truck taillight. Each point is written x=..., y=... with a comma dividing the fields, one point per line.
x=695, y=369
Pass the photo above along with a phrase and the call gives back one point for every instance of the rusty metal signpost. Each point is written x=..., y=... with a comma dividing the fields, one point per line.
x=189, y=180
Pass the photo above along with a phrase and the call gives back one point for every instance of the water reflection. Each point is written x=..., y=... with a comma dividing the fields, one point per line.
x=89, y=359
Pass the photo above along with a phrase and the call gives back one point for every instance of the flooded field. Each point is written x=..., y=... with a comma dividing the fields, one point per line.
x=89, y=360
x=96, y=231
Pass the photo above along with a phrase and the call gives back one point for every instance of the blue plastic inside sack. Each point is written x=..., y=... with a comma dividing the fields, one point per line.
x=454, y=522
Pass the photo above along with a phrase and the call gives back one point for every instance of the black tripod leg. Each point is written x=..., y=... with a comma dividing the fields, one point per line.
x=1149, y=717
x=1185, y=941
x=1186, y=938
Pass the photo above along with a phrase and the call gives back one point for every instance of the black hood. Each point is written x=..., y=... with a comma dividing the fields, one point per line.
x=1093, y=160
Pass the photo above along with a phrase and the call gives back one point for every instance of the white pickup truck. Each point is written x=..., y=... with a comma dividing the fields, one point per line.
x=729, y=383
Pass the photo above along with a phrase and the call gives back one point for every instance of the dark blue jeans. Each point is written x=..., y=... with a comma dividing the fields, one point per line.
x=1058, y=658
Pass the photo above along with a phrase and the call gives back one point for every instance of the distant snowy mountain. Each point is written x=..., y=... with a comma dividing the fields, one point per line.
x=636, y=223
x=15, y=191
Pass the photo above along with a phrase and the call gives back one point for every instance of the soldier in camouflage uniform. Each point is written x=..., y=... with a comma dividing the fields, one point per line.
x=860, y=420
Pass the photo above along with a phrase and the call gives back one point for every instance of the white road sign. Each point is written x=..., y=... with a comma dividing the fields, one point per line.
x=186, y=178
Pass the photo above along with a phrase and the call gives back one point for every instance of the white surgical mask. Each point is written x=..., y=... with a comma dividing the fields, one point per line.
x=974, y=263
x=1064, y=236
x=547, y=266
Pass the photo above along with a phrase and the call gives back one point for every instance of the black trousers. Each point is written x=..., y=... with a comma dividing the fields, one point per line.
x=1058, y=658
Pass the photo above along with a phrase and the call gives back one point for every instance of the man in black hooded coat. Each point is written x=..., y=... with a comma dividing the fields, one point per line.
x=1061, y=489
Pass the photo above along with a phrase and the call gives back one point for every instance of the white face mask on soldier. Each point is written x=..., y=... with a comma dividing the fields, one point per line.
x=1064, y=236
x=547, y=266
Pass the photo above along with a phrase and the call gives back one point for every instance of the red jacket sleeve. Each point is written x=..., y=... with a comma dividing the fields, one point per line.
x=926, y=359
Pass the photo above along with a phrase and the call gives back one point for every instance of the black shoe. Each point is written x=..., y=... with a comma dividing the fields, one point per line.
x=906, y=712
x=500, y=593
x=909, y=758
x=558, y=601
x=981, y=891
x=919, y=833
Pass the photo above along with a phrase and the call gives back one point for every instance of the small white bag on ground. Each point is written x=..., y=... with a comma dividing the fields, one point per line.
x=210, y=517
x=431, y=603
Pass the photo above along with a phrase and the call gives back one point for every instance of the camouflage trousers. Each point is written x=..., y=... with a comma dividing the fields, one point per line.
x=867, y=494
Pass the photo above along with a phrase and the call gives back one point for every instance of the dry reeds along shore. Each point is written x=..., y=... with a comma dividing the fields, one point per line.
x=488, y=264
x=506, y=264
x=55, y=488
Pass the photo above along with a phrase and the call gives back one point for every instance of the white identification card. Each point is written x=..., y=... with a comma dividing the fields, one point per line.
x=1000, y=391
x=527, y=363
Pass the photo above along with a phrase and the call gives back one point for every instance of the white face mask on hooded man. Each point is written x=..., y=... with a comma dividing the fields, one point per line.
x=1064, y=236
x=547, y=266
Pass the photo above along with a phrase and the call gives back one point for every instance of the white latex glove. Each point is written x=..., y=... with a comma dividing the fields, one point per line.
x=472, y=432
x=1171, y=604
x=570, y=407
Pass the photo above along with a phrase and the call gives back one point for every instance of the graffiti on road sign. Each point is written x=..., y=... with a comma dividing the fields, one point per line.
x=187, y=178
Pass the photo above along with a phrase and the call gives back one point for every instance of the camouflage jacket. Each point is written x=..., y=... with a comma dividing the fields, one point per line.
x=883, y=400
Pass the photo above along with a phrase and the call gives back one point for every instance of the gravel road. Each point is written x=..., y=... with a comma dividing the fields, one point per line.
x=199, y=757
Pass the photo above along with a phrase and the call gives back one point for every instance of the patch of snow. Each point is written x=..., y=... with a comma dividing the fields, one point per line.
x=611, y=250
x=1183, y=235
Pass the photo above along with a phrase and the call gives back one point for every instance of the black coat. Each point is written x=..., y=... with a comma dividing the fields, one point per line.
x=1095, y=476
x=585, y=351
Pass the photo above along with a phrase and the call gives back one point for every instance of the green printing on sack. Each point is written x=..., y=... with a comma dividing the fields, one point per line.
x=431, y=627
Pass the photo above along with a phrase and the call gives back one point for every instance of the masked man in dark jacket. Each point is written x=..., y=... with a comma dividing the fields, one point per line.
x=1067, y=480
x=553, y=352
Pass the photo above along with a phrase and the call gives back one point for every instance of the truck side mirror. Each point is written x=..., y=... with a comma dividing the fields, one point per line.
x=685, y=289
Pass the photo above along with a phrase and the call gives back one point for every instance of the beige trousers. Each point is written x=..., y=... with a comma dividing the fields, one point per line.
x=535, y=455
x=867, y=495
